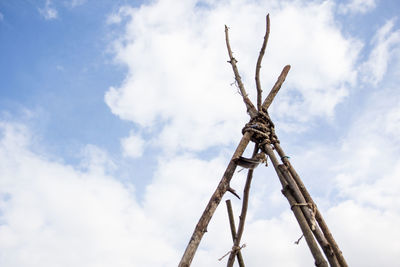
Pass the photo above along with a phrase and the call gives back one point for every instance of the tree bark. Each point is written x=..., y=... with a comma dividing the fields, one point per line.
x=258, y=65
x=304, y=206
x=212, y=205
x=304, y=226
x=243, y=213
x=251, y=110
x=233, y=231
x=275, y=89
x=318, y=216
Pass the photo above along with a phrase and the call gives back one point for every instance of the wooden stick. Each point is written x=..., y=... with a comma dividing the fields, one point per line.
x=212, y=205
x=233, y=231
x=243, y=213
x=304, y=226
x=275, y=89
x=318, y=216
x=250, y=107
x=258, y=66
x=304, y=206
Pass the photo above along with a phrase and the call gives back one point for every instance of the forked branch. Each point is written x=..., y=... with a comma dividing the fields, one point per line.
x=224, y=184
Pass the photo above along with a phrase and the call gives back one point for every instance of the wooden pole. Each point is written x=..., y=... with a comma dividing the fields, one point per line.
x=212, y=205
x=251, y=110
x=318, y=216
x=310, y=216
x=258, y=65
x=292, y=187
x=233, y=231
x=304, y=226
x=243, y=213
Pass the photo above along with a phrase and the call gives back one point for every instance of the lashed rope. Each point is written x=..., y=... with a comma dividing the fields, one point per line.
x=313, y=210
x=234, y=249
x=262, y=129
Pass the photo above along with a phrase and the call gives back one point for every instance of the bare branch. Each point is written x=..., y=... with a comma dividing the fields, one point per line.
x=258, y=66
x=212, y=205
x=250, y=107
x=308, y=198
x=243, y=213
x=304, y=226
x=275, y=89
x=233, y=230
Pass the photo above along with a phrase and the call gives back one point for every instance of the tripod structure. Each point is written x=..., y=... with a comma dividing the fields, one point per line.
x=261, y=131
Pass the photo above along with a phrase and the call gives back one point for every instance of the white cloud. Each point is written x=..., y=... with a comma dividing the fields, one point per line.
x=52, y=214
x=48, y=11
x=133, y=146
x=1, y=16
x=178, y=78
x=47, y=208
x=386, y=47
x=178, y=74
x=370, y=236
x=114, y=18
x=96, y=160
x=360, y=176
x=357, y=6
x=99, y=221
x=371, y=180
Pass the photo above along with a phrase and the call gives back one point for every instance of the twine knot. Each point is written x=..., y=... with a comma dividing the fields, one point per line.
x=262, y=129
x=234, y=249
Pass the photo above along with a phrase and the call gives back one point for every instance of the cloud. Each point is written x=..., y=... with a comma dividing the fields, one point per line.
x=133, y=146
x=1, y=16
x=96, y=160
x=48, y=11
x=373, y=140
x=177, y=92
x=97, y=218
x=386, y=47
x=53, y=214
x=178, y=76
x=366, y=225
x=357, y=180
x=357, y=6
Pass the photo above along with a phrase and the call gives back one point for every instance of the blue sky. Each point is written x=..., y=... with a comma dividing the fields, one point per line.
x=48, y=63
x=117, y=119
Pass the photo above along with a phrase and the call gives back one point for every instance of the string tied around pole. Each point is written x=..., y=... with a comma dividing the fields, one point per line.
x=262, y=129
x=234, y=249
x=313, y=210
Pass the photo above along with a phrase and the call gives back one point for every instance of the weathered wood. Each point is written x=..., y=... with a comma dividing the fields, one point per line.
x=212, y=205
x=308, y=236
x=233, y=231
x=250, y=107
x=275, y=89
x=258, y=65
x=311, y=222
x=318, y=216
x=243, y=213
x=304, y=206
x=304, y=226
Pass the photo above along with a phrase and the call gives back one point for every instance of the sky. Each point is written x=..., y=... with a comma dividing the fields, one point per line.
x=118, y=119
